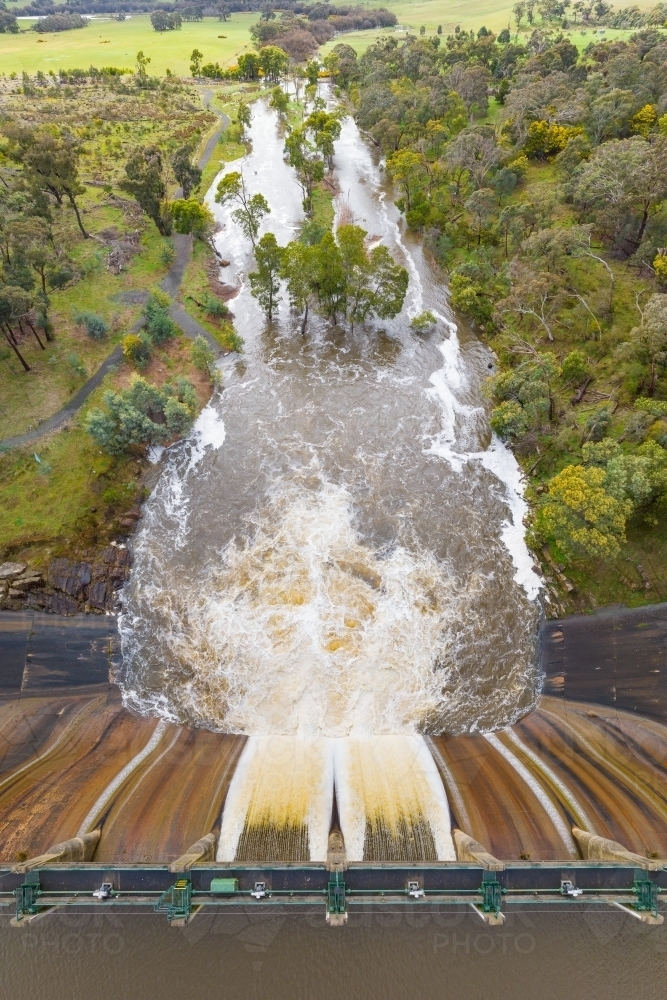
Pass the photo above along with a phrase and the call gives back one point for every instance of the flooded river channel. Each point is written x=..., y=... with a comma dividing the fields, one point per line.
x=335, y=555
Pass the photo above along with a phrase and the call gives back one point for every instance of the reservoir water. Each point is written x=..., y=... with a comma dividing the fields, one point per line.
x=335, y=556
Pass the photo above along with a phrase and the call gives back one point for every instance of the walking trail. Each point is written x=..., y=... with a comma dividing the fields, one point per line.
x=170, y=284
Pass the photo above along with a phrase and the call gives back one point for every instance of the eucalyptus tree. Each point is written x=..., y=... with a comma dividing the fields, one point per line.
x=146, y=179
x=265, y=281
x=186, y=172
x=251, y=209
x=307, y=162
x=300, y=268
x=50, y=158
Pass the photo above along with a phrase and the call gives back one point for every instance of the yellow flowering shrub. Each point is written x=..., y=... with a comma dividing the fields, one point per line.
x=644, y=120
x=547, y=138
x=581, y=516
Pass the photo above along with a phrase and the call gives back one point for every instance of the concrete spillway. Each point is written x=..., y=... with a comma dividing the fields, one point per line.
x=71, y=755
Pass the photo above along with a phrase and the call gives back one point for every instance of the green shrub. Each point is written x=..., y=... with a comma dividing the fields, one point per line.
x=159, y=325
x=77, y=365
x=127, y=421
x=137, y=349
x=215, y=307
x=424, y=322
x=574, y=367
x=94, y=325
x=202, y=357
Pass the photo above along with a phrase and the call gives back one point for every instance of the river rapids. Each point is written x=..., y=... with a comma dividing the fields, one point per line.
x=336, y=551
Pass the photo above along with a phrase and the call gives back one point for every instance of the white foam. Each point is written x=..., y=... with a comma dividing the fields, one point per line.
x=386, y=780
x=497, y=459
x=281, y=780
x=208, y=432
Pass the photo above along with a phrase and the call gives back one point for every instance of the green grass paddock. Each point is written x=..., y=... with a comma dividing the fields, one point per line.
x=115, y=43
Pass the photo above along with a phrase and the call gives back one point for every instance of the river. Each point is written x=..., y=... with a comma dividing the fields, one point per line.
x=333, y=562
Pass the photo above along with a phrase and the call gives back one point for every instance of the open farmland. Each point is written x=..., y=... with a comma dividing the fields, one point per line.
x=115, y=43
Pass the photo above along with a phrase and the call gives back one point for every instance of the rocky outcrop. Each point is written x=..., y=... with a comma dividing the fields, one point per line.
x=70, y=586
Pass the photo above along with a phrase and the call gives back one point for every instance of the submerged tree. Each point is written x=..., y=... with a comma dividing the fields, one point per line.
x=300, y=268
x=374, y=284
x=343, y=278
x=307, y=162
x=265, y=281
x=250, y=211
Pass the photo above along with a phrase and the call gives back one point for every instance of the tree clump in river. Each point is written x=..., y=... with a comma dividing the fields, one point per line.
x=339, y=276
x=538, y=177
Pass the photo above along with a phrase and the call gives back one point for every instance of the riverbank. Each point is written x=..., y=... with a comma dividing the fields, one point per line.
x=538, y=269
x=66, y=501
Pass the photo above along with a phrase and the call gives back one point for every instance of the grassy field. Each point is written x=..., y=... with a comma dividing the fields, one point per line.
x=115, y=43
x=35, y=523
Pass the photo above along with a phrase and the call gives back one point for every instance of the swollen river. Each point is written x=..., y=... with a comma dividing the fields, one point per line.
x=333, y=562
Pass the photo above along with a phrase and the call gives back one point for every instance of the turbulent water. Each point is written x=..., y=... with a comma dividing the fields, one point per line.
x=337, y=548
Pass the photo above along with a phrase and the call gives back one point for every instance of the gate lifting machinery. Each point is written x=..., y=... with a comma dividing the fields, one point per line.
x=221, y=887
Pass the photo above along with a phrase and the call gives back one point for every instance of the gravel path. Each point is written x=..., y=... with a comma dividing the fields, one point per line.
x=170, y=284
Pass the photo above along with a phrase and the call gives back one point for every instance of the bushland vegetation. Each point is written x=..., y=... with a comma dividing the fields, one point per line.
x=83, y=247
x=538, y=177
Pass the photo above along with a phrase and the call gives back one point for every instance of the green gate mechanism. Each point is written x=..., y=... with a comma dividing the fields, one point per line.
x=646, y=893
x=176, y=901
x=26, y=896
x=336, y=912
x=492, y=893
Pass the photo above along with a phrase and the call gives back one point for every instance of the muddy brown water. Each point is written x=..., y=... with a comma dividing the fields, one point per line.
x=337, y=548
x=388, y=956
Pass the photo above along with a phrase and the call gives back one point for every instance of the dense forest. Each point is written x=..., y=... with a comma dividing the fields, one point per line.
x=538, y=177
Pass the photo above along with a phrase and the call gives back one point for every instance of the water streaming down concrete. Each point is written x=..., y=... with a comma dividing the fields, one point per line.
x=280, y=801
x=600, y=767
x=391, y=801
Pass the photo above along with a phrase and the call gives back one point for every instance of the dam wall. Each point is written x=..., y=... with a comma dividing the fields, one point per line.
x=592, y=756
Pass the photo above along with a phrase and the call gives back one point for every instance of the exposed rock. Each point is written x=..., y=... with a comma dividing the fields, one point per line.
x=69, y=576
x=59, y=603
x=97, y=594
x=27, y=581
x=71, y=586
x=9, y=570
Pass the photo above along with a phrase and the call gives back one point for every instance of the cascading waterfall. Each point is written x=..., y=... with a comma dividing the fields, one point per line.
x=333, y=562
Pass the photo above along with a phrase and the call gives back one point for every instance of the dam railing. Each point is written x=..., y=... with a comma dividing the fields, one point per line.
x=223, y=887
